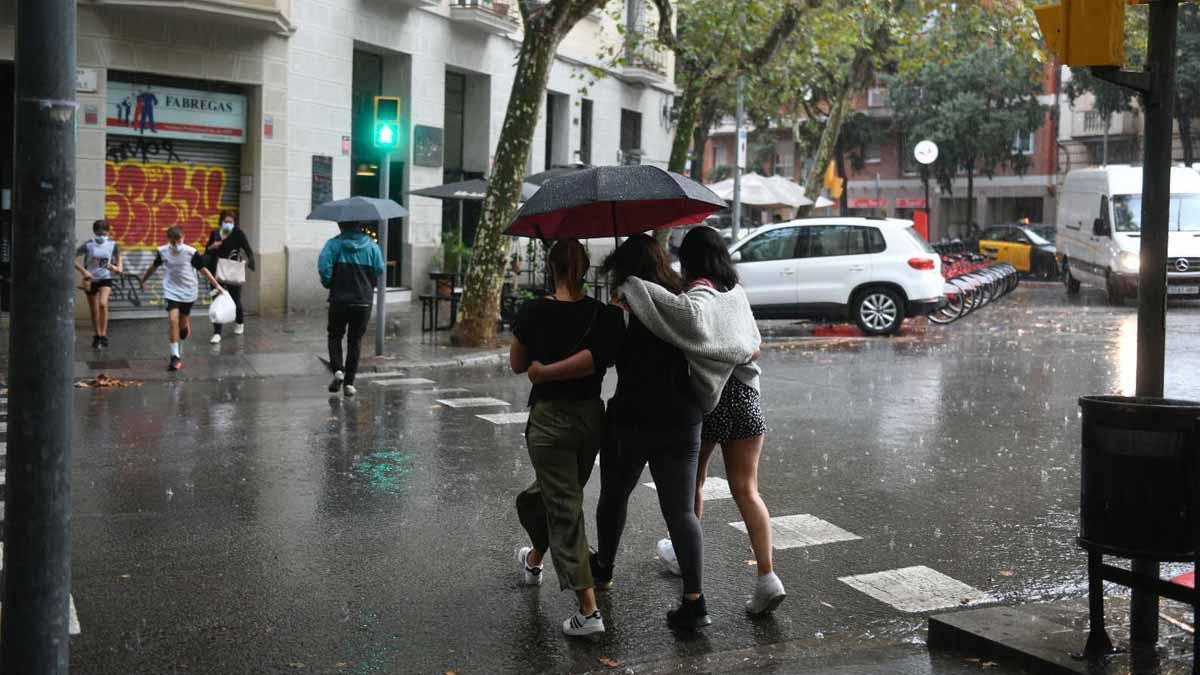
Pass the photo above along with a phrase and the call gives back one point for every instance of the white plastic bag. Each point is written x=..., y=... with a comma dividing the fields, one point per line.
x=222, y=309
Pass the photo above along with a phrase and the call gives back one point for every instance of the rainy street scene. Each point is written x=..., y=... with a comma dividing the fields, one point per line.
x=643, y=337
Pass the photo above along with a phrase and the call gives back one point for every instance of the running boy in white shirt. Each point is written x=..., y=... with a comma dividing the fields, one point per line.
x=98, y=261
x=180, y=287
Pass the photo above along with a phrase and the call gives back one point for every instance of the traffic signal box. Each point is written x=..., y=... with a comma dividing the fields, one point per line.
x=1085, y=32
x=387, y=123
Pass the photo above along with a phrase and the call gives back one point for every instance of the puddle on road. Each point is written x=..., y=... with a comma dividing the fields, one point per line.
x=384, y=471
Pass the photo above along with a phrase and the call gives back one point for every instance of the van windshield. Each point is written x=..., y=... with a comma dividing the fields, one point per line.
x=1185, y=213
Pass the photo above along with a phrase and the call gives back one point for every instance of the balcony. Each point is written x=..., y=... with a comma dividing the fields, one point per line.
x=1091, y=123
x=267, y=15
x=420, y=3
x=497, y=18
x=645, y=65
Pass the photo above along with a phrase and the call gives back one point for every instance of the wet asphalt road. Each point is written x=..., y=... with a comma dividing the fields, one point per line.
x=260, y=526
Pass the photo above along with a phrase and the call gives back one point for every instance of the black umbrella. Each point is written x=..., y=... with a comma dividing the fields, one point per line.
x=358, y=209
x=556, y=172
x=610, y=201
x=468, y=190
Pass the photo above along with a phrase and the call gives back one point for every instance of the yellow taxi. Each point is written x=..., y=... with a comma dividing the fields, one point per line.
x=1029, y=248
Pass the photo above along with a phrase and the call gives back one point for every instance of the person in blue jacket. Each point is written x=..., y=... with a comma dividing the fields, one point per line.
x=350, y=265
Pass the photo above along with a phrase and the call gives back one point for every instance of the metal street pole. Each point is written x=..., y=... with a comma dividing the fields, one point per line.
x=1152, y=283
x=34, y=628
x=385, y=185
x=736, y=225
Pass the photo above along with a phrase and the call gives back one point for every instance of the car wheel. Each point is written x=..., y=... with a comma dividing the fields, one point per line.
x=879, y=311
x=1069, y=281
x=1112, y=292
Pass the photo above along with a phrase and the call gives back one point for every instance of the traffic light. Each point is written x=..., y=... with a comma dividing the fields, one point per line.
x=1085, y=32
x=387, y=123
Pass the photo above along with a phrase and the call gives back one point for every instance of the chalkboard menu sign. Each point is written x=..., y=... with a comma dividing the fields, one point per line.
x=322, y=180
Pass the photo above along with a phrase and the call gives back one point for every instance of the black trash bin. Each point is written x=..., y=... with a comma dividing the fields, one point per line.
x=1140, y=470
x=1138, y=496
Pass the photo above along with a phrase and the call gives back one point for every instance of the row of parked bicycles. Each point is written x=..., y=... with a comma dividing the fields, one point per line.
x=973, y=281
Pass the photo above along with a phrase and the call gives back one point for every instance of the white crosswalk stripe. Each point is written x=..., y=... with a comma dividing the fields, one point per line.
x=476, y=402
x=916, y=589
x=500, y=419
x=802, y=530
x=714, y=488
x=401, y=381
x=440, y=390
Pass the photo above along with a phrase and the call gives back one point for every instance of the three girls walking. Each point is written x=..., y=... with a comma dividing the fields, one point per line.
x=686, y=381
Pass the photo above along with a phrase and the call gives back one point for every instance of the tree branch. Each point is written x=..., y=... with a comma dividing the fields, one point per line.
x=666, y=35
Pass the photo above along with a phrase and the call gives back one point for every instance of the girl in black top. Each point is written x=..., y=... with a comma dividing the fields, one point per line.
x=654, y=418
x=566, y=426
x=223, y=243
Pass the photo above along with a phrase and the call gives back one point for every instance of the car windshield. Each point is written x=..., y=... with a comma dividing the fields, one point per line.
x=1047, y=232
x=1185, y=213
x=912, y=232
x=1036, y=237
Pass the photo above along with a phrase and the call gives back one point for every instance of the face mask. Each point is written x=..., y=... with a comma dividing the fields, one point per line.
x=101, y=238
x=226, y=228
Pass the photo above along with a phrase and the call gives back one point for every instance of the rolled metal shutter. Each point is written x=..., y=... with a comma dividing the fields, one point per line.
x=151, y=185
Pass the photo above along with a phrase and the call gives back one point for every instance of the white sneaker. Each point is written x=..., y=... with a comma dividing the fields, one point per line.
x=768, y=594
x=532, y=576
x=239, y=328
x=215, y=339
x=349, y=390
x=578, y=625
x=666, y=553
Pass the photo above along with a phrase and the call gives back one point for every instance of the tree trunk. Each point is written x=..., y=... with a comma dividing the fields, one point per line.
x=708, y=117
x=689, y=109
x=480, y=309
x=840, y=167
x=1184, y=117
x=829, y=138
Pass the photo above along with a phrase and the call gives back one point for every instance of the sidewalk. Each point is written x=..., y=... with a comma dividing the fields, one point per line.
x=271, y=347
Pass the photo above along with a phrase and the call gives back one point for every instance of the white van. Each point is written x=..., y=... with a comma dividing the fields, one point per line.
x=1099, y=231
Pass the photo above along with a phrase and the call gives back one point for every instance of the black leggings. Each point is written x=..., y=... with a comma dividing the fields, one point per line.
x=342, y=319
x=672, y=456
x=234, y=292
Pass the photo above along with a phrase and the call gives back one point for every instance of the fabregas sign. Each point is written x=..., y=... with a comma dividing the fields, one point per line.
x=166, y=112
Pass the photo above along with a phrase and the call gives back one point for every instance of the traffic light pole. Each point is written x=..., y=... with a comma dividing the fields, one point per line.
x=385, y=184
x=34, y=628
x=1157, y=86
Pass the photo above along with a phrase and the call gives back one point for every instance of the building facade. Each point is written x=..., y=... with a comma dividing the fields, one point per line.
x=264, y=107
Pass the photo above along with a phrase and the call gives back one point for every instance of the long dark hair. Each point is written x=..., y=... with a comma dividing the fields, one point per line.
x=641, y=256
x=569, y=262
x=703, y=255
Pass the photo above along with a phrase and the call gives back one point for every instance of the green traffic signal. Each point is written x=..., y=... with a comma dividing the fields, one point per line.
x=387, y=135
x=387, y=122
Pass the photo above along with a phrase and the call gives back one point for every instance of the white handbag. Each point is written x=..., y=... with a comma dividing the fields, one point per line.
x=231, y=270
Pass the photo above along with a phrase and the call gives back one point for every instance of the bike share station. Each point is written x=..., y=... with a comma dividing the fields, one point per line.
x=1140, y=455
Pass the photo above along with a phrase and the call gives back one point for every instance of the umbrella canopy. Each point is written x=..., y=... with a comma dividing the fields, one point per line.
x=358, y=209
x=611, y=201
x=790, y=190
x=468, y=190
x=824, y=203
x=756, y=191
x=540, y=178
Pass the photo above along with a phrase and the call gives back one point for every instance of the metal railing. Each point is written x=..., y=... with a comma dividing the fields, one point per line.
x=646, y=57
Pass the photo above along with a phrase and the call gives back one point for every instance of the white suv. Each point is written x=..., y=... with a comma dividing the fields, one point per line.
x=875, y=271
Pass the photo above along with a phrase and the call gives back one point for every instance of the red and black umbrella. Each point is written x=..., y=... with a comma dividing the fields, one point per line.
x=610, y=201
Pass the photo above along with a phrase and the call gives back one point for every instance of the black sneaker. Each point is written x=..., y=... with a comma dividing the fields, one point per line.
x=95, y=342
x=175, y=364
x=104, y=341
x=601, y=574
x=691, y=614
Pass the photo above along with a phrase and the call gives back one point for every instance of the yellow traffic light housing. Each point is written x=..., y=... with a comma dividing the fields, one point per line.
x=387, y=123
x=1085, y=32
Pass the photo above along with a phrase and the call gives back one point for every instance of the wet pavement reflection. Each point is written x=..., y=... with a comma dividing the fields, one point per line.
x=259, y=525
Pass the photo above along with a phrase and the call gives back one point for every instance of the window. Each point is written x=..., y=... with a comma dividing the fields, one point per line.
x=785, y=158
x=631, y=136
x=774, y=245
x=1023, y=144
x=873, y=153
x=585, y=131
x=877, y=97
x=720, y=156
x=834, y=240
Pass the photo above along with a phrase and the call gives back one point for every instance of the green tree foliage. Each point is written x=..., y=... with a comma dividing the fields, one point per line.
x=972, y=90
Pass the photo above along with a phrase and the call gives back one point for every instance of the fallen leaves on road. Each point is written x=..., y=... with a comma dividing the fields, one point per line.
x=1007, y=573
x=611, y=663
x=104, y=381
